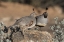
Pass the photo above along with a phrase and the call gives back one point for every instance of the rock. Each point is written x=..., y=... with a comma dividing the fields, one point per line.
x=37, y=36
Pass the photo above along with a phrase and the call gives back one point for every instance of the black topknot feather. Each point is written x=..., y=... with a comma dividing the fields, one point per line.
x=46, y=8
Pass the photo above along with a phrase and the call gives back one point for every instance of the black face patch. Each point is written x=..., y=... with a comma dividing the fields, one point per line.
x=45, y=14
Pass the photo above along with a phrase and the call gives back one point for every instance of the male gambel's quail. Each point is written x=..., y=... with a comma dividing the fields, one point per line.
x=42, y=20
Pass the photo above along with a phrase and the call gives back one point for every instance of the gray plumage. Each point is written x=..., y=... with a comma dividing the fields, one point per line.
x=26, y=22
x=42, y=20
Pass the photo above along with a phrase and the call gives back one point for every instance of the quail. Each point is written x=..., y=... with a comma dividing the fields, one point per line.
x=42, y=20
x=26, y=22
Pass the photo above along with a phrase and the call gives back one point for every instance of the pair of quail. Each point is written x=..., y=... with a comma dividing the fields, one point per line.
x=32, y=20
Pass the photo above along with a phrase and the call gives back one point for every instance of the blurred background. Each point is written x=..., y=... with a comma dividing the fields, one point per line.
x=10, y=10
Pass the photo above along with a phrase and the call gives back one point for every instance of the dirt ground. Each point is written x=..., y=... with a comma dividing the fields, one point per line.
x=9, y=12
